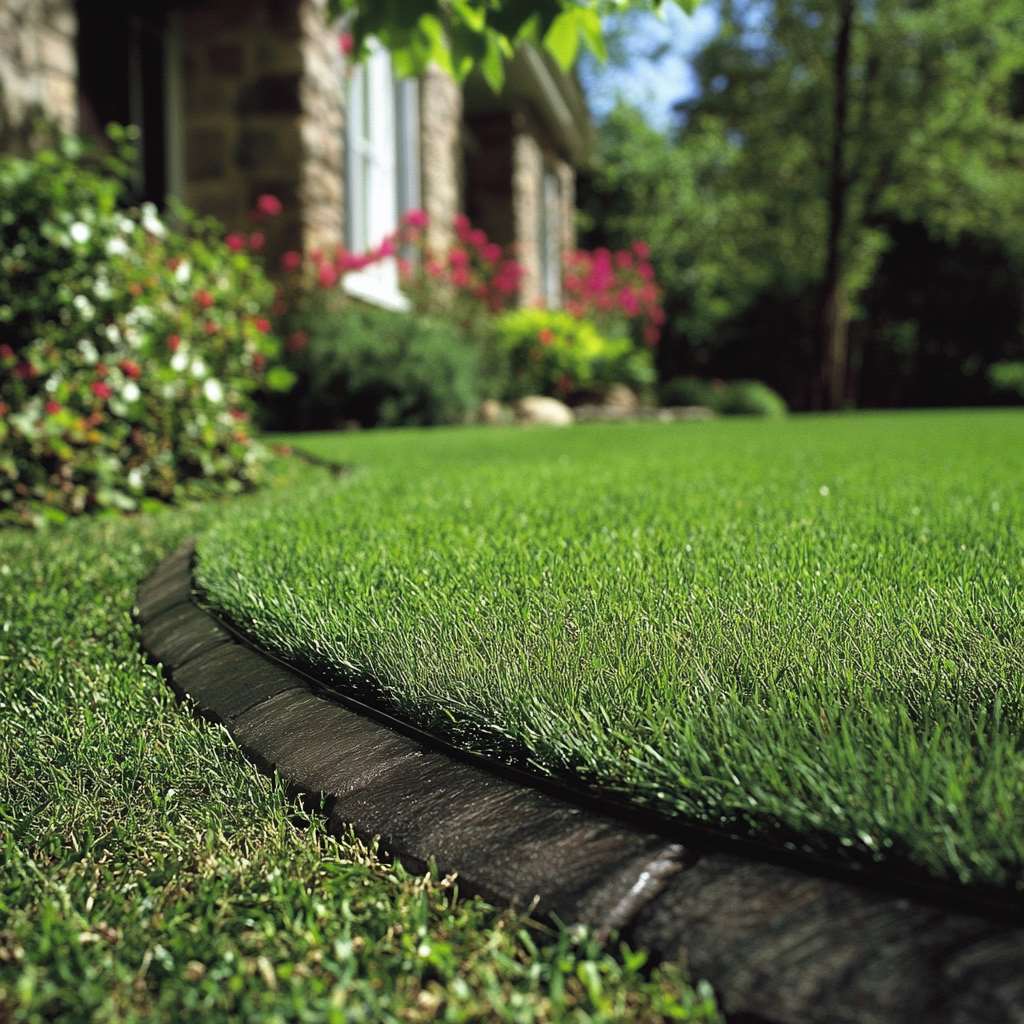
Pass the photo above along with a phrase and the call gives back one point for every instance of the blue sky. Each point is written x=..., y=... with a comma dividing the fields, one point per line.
x=652, y=85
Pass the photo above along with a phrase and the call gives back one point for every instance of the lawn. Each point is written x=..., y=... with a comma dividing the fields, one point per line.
x=808, y=626
x=149, y=873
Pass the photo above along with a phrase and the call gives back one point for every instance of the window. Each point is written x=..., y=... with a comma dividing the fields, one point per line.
x=549, y=239
x=383, y=181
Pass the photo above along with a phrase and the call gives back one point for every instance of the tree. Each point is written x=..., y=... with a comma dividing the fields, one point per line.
x=465, y=35
x=849, y=114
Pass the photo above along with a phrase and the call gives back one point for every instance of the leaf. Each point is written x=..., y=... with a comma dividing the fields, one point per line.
x=279, y=378
x=492, y=64
x=592, y=32
x=562, y=39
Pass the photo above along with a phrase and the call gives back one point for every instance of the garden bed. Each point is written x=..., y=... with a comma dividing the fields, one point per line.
x=805, y=630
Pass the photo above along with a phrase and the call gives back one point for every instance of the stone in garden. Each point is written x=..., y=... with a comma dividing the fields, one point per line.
x=493, y=413
x=543, y=411
x=621, y=397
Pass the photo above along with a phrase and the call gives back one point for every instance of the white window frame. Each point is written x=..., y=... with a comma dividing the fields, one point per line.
x=382, y=162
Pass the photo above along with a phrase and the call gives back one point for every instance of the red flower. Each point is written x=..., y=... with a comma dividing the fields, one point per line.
x=25, y=371
x=53, y=407
x=546, y=336
x=262, y=324
x=327, y=276
x=297, y=341
x=6, y=352
x=203, y=299
x=173, y=342
x=101, y=370
x=416, y=218
x=258, y=361
x=4, y=408
x=386, y=248
x=238, y=414
x=460, y=277
x=642, y=249
x=235, y=242
x=100, y=389
x=268, y=205
x=291, y=260
x=135, y=288
x=458, y=258
x=257, y=240
x=130, y=368
x=346, y=43
x=478, y=238
x=491, y=252
x=210, y=327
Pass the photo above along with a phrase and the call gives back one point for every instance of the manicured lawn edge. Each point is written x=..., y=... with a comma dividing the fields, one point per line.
x=776, y=943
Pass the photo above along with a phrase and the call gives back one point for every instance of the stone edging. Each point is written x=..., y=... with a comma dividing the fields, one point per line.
x=779, y=945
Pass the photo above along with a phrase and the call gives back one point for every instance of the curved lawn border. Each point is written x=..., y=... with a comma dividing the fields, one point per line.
x=779, y=945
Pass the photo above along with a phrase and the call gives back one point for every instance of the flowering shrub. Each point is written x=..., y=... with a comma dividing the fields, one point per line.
x=128, y=348
x=611, y=287
x=553, y=352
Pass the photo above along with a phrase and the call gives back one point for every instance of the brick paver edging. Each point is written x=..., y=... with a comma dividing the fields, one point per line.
x=779, y=945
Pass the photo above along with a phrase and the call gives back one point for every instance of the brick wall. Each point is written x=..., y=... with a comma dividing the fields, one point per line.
x=38, y=67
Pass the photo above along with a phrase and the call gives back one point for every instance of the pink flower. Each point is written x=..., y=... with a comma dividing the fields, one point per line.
x=291, y=260
x=642, y=249
x=416, y=218
x=257, y=240
x=327, y=276
x=346, y=43
x=433, y=268
x=458, y=259
x=235, y=242
x=491, y=252
x=624, y=259
x=268, y=205
x=52, y=407
x=386, y=248
x=100, y=389
x=262, y=324
x=460, y=277
x=477, y=238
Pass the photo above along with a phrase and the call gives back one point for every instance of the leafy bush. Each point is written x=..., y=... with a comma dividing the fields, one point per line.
x=128, y=347
x=1008, y=376
x=730, y=398
x=378, y=368
x=554, y=353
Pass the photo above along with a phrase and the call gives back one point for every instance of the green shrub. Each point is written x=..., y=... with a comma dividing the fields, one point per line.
x=1008, y=376
x=729, y=398
x=554, y=353
x=128, y=346
x=750, y=398
x=687, y=391
x=377, y=368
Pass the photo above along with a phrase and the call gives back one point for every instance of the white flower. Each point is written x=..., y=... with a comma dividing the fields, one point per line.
x=112, y=333
x=79, y=232
x=213, y=390
x=102, y=290
x=132, y=336
x=198, y=368
x=130, y=392
x=151, y=220
x=823, y=490
x=117, y=247
x=88, y=350
x=183, y=272
x=179, y=361
x=86, y=310
x=135, y=479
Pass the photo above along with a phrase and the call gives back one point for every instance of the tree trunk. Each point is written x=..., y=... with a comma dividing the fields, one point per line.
x=834, y=315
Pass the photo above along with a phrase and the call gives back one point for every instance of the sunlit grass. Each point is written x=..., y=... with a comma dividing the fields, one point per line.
x=149, y=873
x=813, y=624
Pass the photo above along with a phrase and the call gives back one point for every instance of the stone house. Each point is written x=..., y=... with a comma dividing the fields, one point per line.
x=236, y=98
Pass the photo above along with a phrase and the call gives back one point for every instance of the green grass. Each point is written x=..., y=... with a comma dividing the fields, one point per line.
x=813, y=625
x=149, y=873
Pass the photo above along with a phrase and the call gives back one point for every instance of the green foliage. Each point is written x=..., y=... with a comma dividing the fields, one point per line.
x=807, y=622
x=461, y=36
x=730, y=398
x=151, y=874
x=129, y=346
x=554, y=353
x=1008, y=375
x=379, y=368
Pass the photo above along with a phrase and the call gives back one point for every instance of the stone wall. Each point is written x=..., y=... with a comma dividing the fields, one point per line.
x=527, y=180
x=441, y=155
x=243, y=79
x=38, y=69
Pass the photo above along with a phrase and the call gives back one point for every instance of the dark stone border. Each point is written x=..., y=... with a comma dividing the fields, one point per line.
x=779, y=945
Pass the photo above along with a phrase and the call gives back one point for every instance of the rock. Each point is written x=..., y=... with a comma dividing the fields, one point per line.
x=493, y=413
x=678, y=413
x=544, y=411
x=621, y=397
